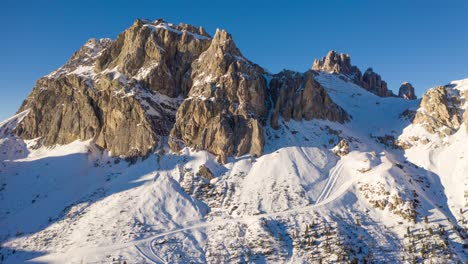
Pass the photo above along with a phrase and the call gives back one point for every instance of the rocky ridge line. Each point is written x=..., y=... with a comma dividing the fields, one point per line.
x=161, y=80
x=340, y=63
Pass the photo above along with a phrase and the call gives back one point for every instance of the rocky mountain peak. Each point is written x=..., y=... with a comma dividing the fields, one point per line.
x=223, y=41
x=123, y=94
x=340, y=63
x=406, y=91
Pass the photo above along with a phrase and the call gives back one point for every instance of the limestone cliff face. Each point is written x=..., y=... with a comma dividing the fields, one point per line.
x=157, y=80
x=122, y=93
x=298, y=96
x=226, y=103
x=441, y=110
x=337, y=63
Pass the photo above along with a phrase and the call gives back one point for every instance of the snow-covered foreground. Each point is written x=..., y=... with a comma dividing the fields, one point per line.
x=298, y=202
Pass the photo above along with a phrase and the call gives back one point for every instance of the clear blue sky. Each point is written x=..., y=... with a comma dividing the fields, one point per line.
x=424, y=42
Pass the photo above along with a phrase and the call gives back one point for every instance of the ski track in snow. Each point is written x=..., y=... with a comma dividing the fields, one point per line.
x=331, y=182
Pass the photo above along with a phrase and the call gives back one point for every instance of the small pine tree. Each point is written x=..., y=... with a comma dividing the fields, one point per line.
x=431, y=232
x=426, y=220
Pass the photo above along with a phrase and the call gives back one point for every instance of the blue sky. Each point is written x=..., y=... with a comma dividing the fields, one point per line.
x=423, y=42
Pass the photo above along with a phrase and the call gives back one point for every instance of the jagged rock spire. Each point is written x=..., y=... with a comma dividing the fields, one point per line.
x=406, y=91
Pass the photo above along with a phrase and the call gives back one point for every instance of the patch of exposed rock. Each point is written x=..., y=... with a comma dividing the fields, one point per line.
x=406, y=91
x=342, y=148
x=205, y=172
x=339, y=63
x=298, y=96
x=441, y=110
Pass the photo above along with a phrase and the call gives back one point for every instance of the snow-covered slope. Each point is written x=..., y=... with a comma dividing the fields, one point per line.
x=297, y=203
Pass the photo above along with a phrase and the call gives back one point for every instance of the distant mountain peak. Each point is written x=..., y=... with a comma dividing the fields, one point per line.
x=340, y=63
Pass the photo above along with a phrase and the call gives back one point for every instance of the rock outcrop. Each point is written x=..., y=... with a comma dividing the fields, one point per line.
x=337, y=63
x=406, y=91
x=205, y=172
x=440, y=111
x=298, y=96
x=342, y=148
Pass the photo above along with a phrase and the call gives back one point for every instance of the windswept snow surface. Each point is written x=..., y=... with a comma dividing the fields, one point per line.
x=74, y=204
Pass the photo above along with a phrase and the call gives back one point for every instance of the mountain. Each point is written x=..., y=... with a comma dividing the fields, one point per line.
x=167, y=145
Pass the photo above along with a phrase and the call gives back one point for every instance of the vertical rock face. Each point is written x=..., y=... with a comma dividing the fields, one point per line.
x=298, y=96
x=440, y=111
x=406, y=91
x=226, y=104
x=118, y=93
x=337, y=63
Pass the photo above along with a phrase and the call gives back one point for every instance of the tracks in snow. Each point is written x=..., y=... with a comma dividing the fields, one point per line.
x=331, y=182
